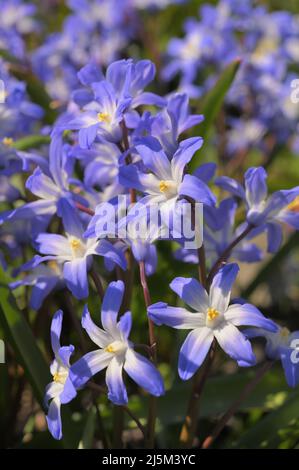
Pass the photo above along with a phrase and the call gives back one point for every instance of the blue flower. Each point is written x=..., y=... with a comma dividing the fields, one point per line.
x=115, y=351
x=50, y=185
x=61, y=390
x=74, y=252
x=264, y=212
x=218, y=234
x=43, y=279
x=165, y=181
x=212, y=318
x=281, y=345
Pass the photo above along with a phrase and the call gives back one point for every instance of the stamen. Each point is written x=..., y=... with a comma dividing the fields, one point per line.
x=212, y=314
x=294, y=205
x=110, y=349
x=163, y=186
x=8, y=141
x=75, y=244
x=104, y=117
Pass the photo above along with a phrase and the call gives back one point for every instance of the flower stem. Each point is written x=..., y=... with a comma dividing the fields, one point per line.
x=190, y=423
x=226, y=253
x=97, y=282
x=126, y=145
x=84, y=209
x=100, y=389
x=249, y=387
x=152, y=412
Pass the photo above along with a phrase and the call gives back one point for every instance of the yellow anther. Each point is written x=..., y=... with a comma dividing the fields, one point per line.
x=104, y=117
x=58, y=378
x=75, y=244
x=163, y=186
x=54, y=266
x=8, y=141
x=294, y=205
x=110, y=349
x=212, y=314
x=284, y=332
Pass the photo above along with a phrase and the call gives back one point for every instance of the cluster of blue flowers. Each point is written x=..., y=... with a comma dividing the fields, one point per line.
x=115, y=137
x=260, y=113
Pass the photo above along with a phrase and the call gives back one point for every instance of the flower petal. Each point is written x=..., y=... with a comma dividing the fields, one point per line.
x=56, y=326
x=144, y=373
x=117, y=392
x=96, y=334
x=54, y=419
x=194, y=351
x=222, y=285
x=75, y=275
x=176, y=317
x=196, y=189
x=111, y=305
x=248, y=314
x=89, y=365
x=234, y=343
x=191, y=292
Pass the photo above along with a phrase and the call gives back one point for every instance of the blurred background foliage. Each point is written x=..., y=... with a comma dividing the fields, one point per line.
x=268, y=419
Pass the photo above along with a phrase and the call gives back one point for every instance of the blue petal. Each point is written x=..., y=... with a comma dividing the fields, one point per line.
x=197, y=190
x=193, y=351
x=230, y=185
x=87, y=136
x=222, y=285
x=235, y=344
x=191, y=292
x=69, y=392
x=56, y=326
x=89, y=365
x=117, y=392
x=154, y=158
x=96, y=334
x=183, y=155
x=106, y=249
x=54, y=419
x=75, y=275
x=144, y=373
x=256, y=186
x=175, y=317
x=125, y=324
x=111, y=305
x=289, y=358
x=206, y=172
x=248, y=314
x=274, y=234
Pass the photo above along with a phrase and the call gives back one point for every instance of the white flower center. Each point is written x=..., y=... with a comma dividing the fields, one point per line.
x=116, y=347
x=168, y=188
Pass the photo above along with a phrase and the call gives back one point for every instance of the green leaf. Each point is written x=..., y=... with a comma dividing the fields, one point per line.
x=269, y=433
x=219, y=394
x=18, y=333
x=213, y=101
x=31, y=142
x=89, y=430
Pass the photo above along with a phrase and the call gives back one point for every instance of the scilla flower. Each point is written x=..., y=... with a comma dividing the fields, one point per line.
x=212, y=318
x=263, y=211
x=281, y=345
x=61, y=390
x=115, y=352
